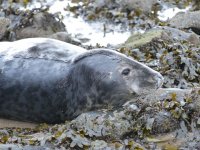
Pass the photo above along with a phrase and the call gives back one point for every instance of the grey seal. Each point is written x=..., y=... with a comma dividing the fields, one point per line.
x=46, y=80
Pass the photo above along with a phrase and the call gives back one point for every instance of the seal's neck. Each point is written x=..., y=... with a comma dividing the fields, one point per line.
x=84, y=90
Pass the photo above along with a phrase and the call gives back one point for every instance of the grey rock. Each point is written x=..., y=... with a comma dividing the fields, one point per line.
x=161, y=33
x=20, y=147
x=180, y=35
x=144, y=5
x=4, y=23
x=41, y=24
x=65, y=37
x=186, y=20
x=118, y=123
x=140, y=39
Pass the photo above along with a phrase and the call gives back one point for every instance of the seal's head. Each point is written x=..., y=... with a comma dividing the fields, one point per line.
x=105, y=77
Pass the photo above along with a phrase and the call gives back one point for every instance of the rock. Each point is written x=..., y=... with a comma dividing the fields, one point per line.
x=140, y=120
x=145, y=5
x=103, y=124
x=40, y=25
x=160, y=33
x=119, y=123
x=196, y=100
x=139, y=39
x=99, y=144
x=168, y=50
x=33, y=23
x=164, y=93
x=107, y=3
x=5, y=123
x=65, y=37
x=186, y=20
x=20, y=147
x=4, y=23
x=180, y=35
x=164, y=122
x=30, y=23
x=9, y=147
x=196, y=5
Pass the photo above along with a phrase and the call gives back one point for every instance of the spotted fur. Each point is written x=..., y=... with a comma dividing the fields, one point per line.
x=45, y=80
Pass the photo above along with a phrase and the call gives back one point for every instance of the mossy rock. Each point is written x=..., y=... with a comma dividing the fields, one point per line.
x=139, y=39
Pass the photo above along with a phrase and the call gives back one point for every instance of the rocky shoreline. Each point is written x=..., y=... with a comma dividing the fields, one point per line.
x=167, y=119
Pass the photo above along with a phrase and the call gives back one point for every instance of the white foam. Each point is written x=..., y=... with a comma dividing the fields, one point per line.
x=167, y=13
x=94, y=31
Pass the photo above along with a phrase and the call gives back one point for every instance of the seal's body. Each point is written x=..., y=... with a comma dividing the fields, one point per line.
x=46, y=80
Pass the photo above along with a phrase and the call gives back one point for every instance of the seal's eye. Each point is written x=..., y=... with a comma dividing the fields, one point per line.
x=126, y=71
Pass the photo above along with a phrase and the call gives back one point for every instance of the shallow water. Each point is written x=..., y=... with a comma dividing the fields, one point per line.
x=94, y=32
x=167, y=13
x=76, y=26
